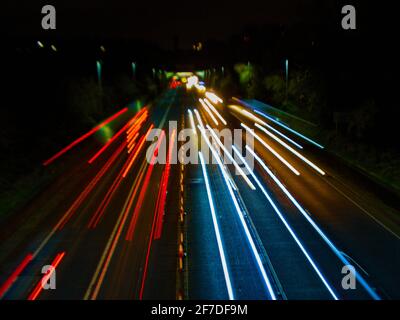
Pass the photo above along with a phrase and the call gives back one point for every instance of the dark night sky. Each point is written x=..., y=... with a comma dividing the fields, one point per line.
x=160, y=21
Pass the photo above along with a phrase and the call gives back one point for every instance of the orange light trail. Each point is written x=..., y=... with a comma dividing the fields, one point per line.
x=110, y=193
x=39, y=287
x=139, y=120
x=85, y=136
x=132, y=143
x=109, y=142
x=208, y=111
x=208, y=103
x=136, y=127
x=138, y=149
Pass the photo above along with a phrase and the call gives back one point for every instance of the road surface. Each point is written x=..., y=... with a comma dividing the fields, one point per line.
x=119, y=227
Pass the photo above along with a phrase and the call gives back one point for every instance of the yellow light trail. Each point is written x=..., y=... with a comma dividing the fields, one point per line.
x=266, y=145
x=215, y=111
x=208, y=111
x=315, y=167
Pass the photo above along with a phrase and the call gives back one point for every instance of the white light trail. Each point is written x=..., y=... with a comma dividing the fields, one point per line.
x=240, y=170
x=297, y=154
x=290, y=129
x=336, y=251
x=208, y=111
x=241, y=217
x=215, y=111
x=198, y=118
x=256, y=119
x=310, y=260
x=217, y=231
x=213, y=97
x=192, y=121
x=276, y=154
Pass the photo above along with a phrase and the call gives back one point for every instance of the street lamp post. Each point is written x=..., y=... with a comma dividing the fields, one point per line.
x=286, y=78
x=98, y=65
x=134, y=69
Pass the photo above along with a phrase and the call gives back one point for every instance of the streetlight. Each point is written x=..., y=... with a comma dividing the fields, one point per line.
x=98, y=65
x=287, y=78
x=134, y=69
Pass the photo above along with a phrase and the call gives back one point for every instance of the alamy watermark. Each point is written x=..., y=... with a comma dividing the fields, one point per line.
x=49, y=279
x=212, y=143
x=349, y=280
x=349, y=18
x=49, y=18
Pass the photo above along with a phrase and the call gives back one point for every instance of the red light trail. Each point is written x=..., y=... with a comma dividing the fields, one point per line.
x=107, y=198
x=119, y=133
x=158, y=214
x=7, y=284
x=85, y=136
x=90, y=187
x=39, y=287
x=135, y=154
x=139, y=202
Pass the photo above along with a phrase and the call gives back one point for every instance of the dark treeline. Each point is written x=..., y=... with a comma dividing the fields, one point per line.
x=52, y=95
x=343, y=80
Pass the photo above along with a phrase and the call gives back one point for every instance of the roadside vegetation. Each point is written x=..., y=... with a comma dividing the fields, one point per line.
x=357, y=129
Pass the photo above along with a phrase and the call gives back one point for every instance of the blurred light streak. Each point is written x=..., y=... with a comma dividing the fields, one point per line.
x=107, y=198
x=241, y=217
x=198, y=118
x=215, y=111
x=39, y=287
x=138, y=149
x=132, y=143
x=216, y=230
x=141, y=113
x=192, y=81
x=113, y=239
x=164, y=186
x=239, y=169
x=115, y=136
x=192, y=122
x=132, y=225
x=86, y=135
x=72, y=209
x=213, y=97
x=200, y=88
x=276, y=154
x=297, y=154
x=336, y=251
x=289, y=129
x=11, y=279
x=156, y=228
x=136, y=126
x=208, y=111
x=256, y=119
x=310, y=260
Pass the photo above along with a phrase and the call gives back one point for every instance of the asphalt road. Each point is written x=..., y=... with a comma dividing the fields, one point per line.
x=99, y=262
x=351, y=224
x=289, y=238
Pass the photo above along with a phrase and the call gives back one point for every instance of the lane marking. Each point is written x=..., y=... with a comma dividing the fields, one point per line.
x=217, y=231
